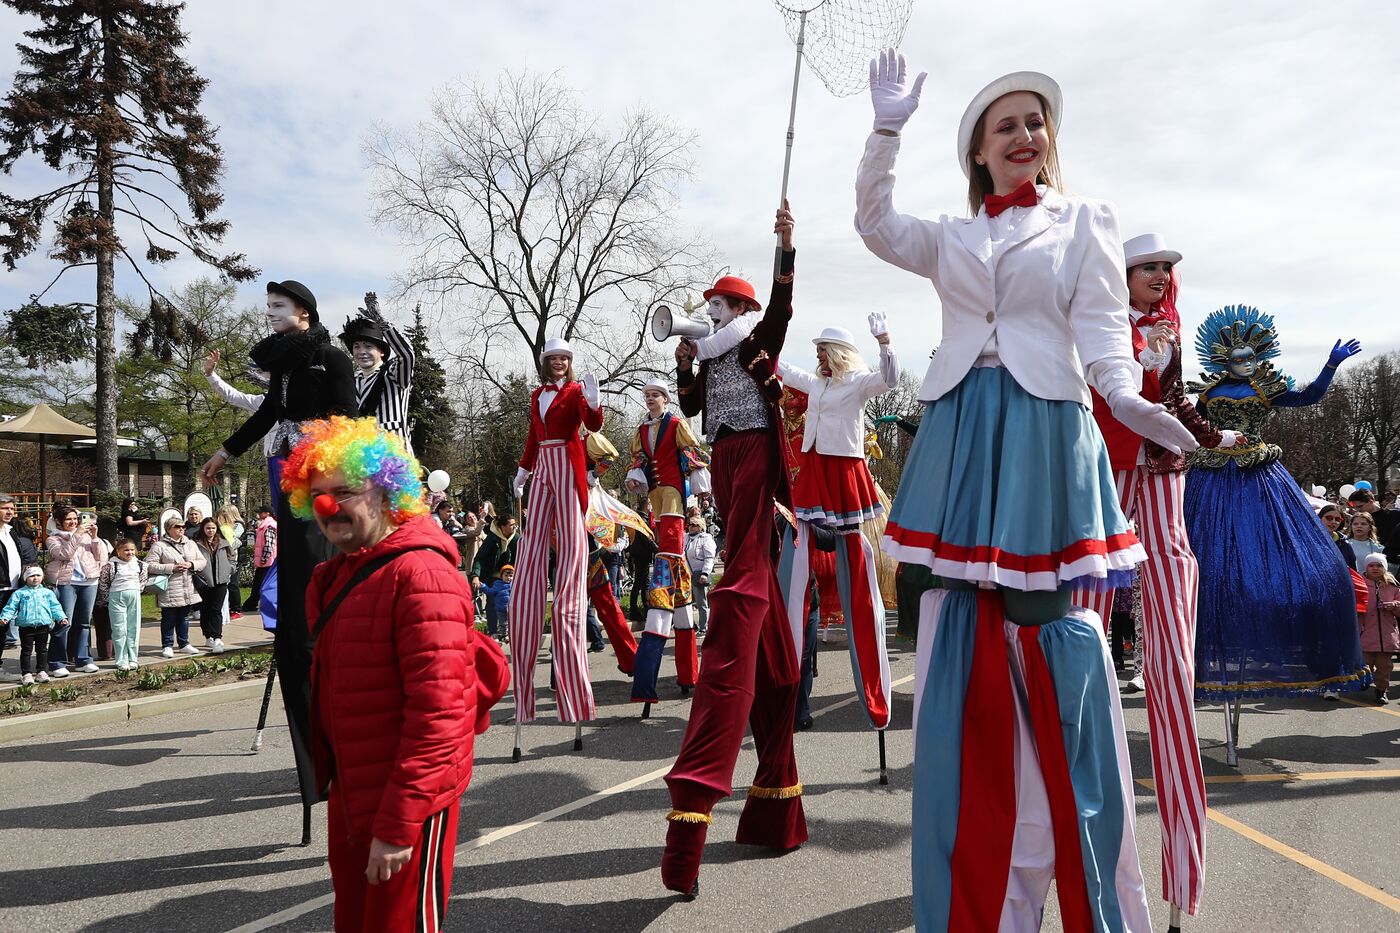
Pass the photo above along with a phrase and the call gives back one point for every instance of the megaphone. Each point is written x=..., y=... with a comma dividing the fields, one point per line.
x=666, y=324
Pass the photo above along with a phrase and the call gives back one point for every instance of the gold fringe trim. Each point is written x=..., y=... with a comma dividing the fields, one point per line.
x=1278, y=684
x=687, y=816
x=775, y=793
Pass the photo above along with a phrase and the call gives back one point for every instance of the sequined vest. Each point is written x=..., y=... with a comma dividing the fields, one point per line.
x=732, y=398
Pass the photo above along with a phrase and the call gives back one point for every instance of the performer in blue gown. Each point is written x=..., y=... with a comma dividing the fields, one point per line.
x=1277, y=616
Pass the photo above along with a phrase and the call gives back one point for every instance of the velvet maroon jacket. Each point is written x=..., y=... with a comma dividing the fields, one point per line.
x=1123, y=443
x=566, y=413
x=758, y=354
x=401, y=684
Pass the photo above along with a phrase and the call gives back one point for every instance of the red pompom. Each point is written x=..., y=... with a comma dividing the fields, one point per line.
x=325, y=505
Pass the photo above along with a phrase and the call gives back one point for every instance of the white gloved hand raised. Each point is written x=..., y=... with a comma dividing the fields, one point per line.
x=879, y=324
x=521, y=475
x=894, y=102
x=1151, y=420
x=590, y=389
x=1229, y=439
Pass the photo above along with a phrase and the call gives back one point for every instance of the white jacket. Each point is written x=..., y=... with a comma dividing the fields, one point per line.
x=836, y=407
x=1053, y=295
x=700, y=552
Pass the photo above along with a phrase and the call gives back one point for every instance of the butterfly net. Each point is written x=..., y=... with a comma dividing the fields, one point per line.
x=842, y=36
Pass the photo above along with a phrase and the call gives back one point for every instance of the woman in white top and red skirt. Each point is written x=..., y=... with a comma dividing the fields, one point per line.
x=834, y=489
x=1021, y=770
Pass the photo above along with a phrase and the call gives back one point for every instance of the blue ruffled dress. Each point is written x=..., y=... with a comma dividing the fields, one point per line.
x=1277, y=614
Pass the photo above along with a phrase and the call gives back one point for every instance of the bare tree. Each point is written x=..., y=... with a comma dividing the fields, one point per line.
x=1374, y=389
x=522, y=208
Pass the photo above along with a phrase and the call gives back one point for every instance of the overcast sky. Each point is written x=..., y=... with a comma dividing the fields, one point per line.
x=1260, y=138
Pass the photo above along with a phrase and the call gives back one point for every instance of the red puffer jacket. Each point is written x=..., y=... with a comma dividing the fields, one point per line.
x=401, y=684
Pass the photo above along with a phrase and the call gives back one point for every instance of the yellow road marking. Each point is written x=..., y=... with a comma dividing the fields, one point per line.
x=1380, y=709
x=1307, y=861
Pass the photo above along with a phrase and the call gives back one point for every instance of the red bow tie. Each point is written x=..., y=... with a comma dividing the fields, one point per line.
x=1024, y=196
x=550, y=387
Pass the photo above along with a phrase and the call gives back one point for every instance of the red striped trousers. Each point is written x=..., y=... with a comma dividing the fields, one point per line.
x=554, y=517
x=1169, y=584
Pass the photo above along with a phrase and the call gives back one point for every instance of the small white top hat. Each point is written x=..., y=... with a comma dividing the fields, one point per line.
x=557, y=345
x=837, y=335
x=660, y=386
x=1148, y=247
x=1033, y=81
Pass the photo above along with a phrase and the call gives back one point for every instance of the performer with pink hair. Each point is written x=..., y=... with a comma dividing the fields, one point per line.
x=834, y=489
x=554, y=455
x=1151, y=482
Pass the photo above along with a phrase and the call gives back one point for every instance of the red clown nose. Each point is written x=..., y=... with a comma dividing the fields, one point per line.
x=325, y=505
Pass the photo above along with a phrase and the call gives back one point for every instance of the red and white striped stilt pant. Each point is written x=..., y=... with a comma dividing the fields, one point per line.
x=553, y=516
x=1169, y=583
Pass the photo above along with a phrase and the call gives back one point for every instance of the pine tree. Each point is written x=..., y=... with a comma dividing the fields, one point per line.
x=103, y=98
x=428, y=409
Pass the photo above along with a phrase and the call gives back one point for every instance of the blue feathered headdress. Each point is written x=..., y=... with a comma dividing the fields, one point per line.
x=1230, y=328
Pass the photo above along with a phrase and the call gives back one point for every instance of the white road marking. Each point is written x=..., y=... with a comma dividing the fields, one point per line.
x=505, y=832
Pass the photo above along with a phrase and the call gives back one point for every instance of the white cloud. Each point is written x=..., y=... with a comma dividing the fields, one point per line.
x=1257, y=136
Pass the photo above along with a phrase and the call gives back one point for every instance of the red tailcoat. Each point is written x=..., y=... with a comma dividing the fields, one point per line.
x=561, y=423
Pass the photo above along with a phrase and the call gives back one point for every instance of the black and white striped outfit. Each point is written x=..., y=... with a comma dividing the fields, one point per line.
x=383, y=394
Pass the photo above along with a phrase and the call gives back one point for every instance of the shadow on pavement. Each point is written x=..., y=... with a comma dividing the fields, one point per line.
x=897, y=913
x=166, y=801
x=49, y=886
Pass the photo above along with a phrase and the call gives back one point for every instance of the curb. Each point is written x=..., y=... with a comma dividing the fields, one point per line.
x=16, y=728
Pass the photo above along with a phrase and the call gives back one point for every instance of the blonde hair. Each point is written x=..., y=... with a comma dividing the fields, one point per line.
x=1370, y=523
x=843, y=360
x=228, y=515
x=979, y=177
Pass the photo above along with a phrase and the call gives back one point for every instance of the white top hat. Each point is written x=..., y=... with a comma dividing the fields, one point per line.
x=837, y=335
x=660, y=386
x=557, y=345
x=1148, y=247
x=1033, y=81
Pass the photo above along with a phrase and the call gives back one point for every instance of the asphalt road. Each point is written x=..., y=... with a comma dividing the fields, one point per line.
x=171, y=824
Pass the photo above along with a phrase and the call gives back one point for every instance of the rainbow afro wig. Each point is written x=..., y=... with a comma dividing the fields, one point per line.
x=365, y=453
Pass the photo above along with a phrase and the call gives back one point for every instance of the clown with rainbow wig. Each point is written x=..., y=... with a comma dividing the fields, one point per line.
x=401, y=681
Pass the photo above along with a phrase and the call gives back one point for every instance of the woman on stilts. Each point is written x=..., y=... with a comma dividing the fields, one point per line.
x=1278, y=610
x=1008, y=498
x=554, y=456
x=1151, y=482
x=834, y=489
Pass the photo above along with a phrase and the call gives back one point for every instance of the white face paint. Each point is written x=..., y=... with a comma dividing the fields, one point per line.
x=366, y=355
x=720, y=311
x=282, y=313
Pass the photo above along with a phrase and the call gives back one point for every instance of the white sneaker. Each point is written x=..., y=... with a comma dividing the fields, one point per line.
x=167, y=652
x=1135, y=685
x=209, y=642
x=190, y=650
x=89, y=668
x=1330, y=695
x=59, y=672
x=217, y=647
x=27, y=680
x=43, y=676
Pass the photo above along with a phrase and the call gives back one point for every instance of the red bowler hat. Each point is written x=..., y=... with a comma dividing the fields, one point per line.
x=731, y=286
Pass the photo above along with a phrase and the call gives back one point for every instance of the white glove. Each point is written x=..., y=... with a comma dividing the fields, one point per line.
x=521, y=475
x=590, y=389
x=1228, y=439
x=893, y=101
x=879, y=325
x=1152, y=421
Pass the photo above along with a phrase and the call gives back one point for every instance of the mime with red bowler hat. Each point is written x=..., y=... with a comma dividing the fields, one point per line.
x=749, y=675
